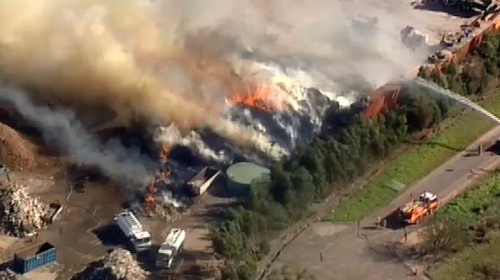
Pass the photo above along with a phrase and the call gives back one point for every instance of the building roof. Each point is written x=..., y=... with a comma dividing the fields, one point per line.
x=246, y=172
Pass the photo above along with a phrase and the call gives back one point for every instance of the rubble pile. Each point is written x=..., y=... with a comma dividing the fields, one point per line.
x=20, y=214
x=10, y=275
x=16, y=151
x=119, y=264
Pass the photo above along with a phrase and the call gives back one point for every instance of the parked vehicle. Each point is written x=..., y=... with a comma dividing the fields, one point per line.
x=172, y=245
x=133, y=230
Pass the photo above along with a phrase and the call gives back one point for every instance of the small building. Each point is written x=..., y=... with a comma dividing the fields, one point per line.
x=241, y=175
x=34, y=257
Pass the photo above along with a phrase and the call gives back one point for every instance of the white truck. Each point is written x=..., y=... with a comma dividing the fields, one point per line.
x=133, y=230
x=170, y=248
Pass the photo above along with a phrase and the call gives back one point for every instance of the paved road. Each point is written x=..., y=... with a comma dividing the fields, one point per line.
x=339, y=252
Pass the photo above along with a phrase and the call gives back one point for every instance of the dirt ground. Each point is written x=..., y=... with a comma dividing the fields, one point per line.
x=364, y=256
x=44, y=176
x=84, y=231
x=71, y=233
x=196, y=221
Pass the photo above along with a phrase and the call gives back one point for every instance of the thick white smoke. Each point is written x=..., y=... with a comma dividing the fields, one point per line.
x=179, y=62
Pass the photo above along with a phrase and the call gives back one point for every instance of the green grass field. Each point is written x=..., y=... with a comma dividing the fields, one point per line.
x=417, y=163
x=474, y=260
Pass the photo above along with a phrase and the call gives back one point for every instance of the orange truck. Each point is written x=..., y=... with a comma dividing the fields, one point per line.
x=426, y=203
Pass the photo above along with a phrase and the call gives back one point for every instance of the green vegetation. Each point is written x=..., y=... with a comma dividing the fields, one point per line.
x=475, y=263
x=346, y=150
x=476, y=76
x=415, y=164
x=466, y=234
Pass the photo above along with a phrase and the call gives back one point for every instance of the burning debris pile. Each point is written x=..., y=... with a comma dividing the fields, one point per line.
x=119, y=264
x=10, y=275
x=20, y=214
x=287, y=109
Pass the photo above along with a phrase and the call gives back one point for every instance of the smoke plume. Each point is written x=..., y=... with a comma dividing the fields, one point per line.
x=177, y=62
x=61, y=130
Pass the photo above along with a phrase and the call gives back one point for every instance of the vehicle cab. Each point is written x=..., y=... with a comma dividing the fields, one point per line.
x=141, y=241
x=430, y=199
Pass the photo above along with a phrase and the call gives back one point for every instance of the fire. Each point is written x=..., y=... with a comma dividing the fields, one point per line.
x=149, y=202
x=165, y=152
x=264, y=98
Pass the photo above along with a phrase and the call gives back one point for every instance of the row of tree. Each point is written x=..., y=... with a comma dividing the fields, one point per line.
x=328, y=165
x=475, y=74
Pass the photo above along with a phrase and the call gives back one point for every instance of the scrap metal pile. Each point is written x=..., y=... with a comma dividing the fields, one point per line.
x=20, y=214
x=9, y=275
x=119, y=264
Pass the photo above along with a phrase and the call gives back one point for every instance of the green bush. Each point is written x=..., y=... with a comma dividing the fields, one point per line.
x=348, y=147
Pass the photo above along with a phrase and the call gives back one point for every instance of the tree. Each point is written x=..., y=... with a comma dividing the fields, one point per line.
x=424, y=72
x=313, y=170
x=471, y=76
x=421, y=112
x=444, y=238
x=303, y=185
x=440, y=79
x=229, y=241
x=281, y=186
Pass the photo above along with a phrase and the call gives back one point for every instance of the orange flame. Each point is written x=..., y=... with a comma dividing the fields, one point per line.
x=263, y=98
x=149, y=202
x=165, y=152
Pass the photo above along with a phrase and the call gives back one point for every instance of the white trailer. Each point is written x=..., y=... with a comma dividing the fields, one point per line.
x=133, y=230
x=172, y=245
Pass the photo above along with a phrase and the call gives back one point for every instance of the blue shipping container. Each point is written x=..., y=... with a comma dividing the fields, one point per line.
x=34, y=257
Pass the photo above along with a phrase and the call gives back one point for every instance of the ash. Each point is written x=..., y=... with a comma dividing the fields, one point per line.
x=119, y=264
x=10, y=275
x=20, y=214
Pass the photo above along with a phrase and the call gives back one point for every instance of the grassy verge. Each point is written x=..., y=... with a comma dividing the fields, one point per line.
x=478, y=261
x=416, y=163
x=469, y=263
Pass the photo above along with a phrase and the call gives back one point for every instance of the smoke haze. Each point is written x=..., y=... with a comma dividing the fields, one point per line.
x=178, y=62
x=61, y=130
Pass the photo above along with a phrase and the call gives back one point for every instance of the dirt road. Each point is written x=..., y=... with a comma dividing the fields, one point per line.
x=341, y=252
